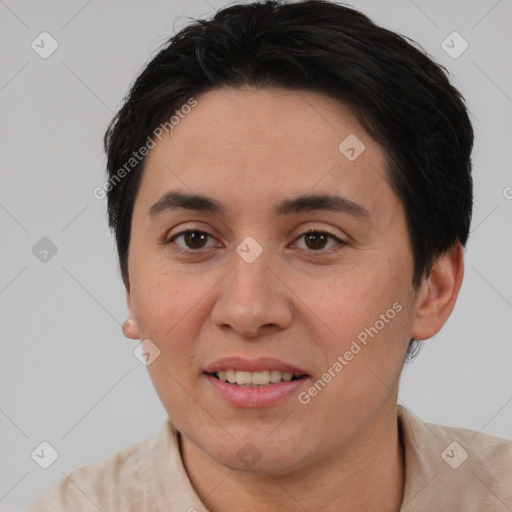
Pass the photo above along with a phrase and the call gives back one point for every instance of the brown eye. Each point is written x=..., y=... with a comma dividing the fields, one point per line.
x=192, y=240
x=315, y=240
x=195, y=239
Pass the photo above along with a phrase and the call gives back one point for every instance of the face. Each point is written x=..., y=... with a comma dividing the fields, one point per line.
x=261, y=278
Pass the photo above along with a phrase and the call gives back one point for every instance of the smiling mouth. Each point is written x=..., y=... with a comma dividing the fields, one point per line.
x=255, y=379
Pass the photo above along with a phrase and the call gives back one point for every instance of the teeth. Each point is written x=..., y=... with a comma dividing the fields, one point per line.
x=275, y=376
x=260, y=378
x=253, y=378
x=243, y=378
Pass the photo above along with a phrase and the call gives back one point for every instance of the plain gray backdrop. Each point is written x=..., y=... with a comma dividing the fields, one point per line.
x=68, y=376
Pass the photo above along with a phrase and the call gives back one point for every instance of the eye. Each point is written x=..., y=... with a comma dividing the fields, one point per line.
x=193, y=240
x=316, y=240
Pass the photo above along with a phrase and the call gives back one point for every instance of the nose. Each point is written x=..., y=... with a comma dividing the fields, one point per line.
x=253, y=299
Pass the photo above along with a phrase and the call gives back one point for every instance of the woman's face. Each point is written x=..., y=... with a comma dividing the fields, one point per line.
x=247, y=291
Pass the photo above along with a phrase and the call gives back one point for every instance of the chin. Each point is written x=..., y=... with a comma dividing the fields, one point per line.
x=251, y=459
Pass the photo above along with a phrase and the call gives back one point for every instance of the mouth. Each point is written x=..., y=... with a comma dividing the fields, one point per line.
x=255, y=379
x=263, y=382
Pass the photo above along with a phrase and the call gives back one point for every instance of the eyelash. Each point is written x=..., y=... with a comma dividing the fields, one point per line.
x=195, y=252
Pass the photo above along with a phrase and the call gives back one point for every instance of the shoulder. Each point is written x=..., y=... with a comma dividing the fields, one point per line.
x=148, y=475
x=118, y=481
x=452, y=467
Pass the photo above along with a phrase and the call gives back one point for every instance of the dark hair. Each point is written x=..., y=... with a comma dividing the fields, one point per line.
x=401, y=97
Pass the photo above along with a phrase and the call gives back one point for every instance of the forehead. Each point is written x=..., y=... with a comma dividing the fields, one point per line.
x=251, y=146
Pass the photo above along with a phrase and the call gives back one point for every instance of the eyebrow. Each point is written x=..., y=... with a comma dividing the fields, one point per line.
x=175, y=200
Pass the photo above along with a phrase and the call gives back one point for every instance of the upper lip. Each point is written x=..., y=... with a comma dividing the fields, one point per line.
x=253, y=365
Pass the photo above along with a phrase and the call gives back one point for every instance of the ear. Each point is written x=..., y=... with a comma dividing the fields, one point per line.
x=130, y=325
x=438, y=292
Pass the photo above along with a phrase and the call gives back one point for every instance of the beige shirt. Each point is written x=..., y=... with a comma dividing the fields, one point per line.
x=447, y=470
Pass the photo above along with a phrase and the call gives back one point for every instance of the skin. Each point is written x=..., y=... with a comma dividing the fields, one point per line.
x=250, y=148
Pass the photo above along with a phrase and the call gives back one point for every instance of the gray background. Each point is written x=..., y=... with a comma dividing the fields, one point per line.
x=68, y=376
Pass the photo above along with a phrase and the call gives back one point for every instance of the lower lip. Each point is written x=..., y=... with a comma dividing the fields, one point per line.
x=243, y=396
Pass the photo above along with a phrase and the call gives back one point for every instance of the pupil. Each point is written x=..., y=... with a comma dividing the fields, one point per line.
x=195, y=239
x=318, y=240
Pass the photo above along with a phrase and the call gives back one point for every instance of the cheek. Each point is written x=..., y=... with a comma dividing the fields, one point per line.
x=161, y=297
x=174, y=379
x=368, y=314
x=167, y=308
x=351, y=301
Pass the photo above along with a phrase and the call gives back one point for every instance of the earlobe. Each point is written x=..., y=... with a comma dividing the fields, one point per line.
x=130, y=325
x=438, y=293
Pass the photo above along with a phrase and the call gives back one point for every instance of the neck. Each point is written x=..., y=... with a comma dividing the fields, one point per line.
x=368, y=475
